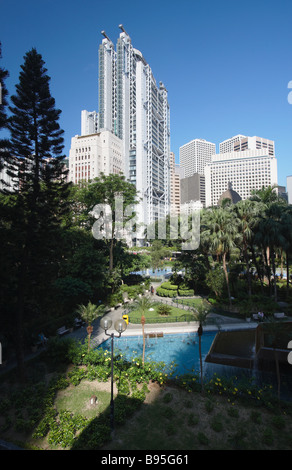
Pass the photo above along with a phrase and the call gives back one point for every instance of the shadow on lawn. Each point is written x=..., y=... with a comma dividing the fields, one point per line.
x=98, y=431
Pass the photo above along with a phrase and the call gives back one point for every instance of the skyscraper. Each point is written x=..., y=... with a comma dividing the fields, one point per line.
x=195, y=155
x=289, y=189
x=244, y=170
x=240, y=142
x=134, y=108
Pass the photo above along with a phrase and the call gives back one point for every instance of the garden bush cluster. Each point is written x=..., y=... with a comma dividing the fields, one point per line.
x=169, y=289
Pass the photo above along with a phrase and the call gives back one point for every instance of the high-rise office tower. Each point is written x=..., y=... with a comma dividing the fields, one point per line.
x=250, y=165
x=135, y=109
x=289, y=189
x=228, y=144
x=176, y=173
x=239, y=143
x=89, y=122
x=95, y=153
x=195, y=155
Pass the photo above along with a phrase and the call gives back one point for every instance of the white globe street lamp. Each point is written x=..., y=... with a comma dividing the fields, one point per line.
x=120, y=326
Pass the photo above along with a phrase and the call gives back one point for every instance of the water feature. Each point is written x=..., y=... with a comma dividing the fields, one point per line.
x=179, y=352
x=154, y=273
x=180, y=349
x=226, y=353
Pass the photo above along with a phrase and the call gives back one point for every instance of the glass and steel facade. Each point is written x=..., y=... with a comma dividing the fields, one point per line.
x=134, y=108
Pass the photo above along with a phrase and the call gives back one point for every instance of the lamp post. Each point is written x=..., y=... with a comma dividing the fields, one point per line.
x=120, y=327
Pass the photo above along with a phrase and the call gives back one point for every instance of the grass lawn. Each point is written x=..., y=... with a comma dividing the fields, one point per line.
x=169, y=417
x=177, y=314
x=77, y=399
x=175, y=419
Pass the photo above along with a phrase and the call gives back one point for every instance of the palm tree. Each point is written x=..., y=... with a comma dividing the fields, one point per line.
x=200, y=314
x=142, y=304
x=286, y=224
x=270, y=236
x=246, y=212
x=265, y=195
x=89, y=313
x=219, y=231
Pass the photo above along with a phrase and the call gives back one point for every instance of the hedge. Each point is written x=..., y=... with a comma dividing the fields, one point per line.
x=169, y=286
x=165, y=292
x=167, y=289
x=186, y=292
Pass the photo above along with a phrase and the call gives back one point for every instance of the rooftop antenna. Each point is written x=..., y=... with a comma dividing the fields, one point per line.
x=105, y=35
x=123, y=29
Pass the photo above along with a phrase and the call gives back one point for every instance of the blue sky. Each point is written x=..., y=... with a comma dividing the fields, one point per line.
x=226, y=64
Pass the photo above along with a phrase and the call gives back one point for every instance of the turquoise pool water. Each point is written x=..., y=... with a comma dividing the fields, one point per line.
x=179, y=349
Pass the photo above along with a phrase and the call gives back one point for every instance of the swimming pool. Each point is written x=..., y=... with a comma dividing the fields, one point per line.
x=181, y=350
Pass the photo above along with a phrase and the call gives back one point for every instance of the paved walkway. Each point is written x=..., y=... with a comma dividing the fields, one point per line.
x=214, y=322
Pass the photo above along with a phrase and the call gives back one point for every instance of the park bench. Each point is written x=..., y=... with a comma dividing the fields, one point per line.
x=62, y=331
x=279, y=315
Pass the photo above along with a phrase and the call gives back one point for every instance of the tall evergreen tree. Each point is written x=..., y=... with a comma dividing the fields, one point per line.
x=39, y=194
x=4, y=143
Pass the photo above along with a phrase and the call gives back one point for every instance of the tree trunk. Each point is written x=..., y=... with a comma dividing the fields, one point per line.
x=143, y=323
x=287, y=272
x=200, y=332
x=226, y=277
x=111, y=255
x=277, y=372
x=258, y=269
x=89, y=332
x=275, y=281
x=247, y=271
x=19, y=325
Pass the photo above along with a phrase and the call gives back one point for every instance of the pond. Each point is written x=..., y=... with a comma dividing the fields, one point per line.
x=179, y=352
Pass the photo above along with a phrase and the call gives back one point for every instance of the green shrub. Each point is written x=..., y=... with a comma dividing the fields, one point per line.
x=278, y=422
x=233, y=412
x=209, y=406
x=168, y=285
x=256, y=417
x=170, y=429
x=267, y=437
x=63, y=432
x=167, y=397
x=186, y=292
x=216, y=423
x=163, y=309
x=192, y=419
x=166, y=292
x=202, y=438
x=167, y=412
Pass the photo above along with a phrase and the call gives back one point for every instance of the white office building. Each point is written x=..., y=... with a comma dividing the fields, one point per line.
x=228, y=144
x=241, y=142
x=195, y=155
x=244, y=170
x=289, y=189
x=136, y=110
x=89, y=122
x=93, y=154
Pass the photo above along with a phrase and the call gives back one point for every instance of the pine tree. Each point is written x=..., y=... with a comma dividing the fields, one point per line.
x=4, y=143
x=36, y=137
x=40, y=192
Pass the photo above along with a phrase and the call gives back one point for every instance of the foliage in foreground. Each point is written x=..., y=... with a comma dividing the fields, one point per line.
x=37, y=416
